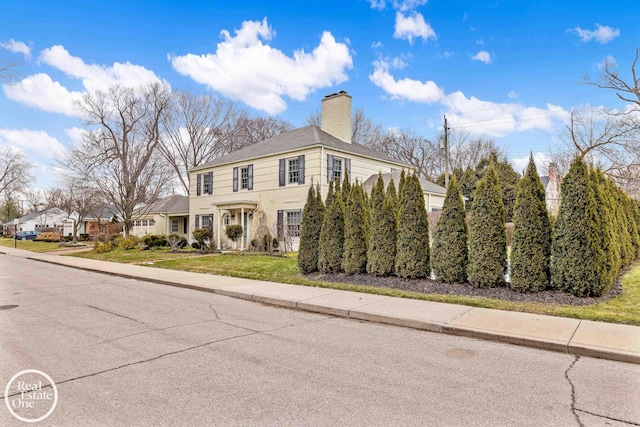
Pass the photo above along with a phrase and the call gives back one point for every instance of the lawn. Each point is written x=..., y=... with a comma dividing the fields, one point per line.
x=29, y=245
x=623, y=309
x=133, y=256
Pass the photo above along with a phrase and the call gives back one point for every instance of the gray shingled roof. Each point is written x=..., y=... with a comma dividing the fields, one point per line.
x=427, y=186
x=171, y=204
x=305, y=137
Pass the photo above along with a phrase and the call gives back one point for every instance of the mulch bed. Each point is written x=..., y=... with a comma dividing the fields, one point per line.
x=504, y=293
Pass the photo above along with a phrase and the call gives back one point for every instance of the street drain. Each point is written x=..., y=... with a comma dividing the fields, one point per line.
x=7, y=307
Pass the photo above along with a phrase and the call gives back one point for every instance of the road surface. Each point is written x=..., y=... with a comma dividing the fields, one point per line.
x=128, y=352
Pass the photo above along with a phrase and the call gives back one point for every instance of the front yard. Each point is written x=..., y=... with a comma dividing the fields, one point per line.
x=622, y=308
x=29, y=245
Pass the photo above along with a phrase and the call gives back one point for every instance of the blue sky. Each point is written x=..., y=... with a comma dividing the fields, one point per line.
x=508, y=69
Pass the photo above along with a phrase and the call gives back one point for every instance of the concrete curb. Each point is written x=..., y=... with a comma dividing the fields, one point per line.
x=572, y=336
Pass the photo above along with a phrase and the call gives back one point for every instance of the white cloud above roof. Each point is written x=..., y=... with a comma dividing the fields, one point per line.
x=40, y=91
x=413, y=26
x=492, y=118
x=16, y=46
x=601, y=34
x=32, y=142
x=237, y=69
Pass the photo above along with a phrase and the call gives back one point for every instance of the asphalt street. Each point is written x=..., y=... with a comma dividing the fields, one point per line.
x=128, y=352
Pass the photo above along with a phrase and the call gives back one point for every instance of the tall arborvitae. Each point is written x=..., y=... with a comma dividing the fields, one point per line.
x=487, y=236
x=392, y=198
x=331, y=194
x=403, y=179
x=634, y=231
x=412, y=257
x=607, y=221
x=576, y=255
x=354, y=260
x=332, y=237
x=627, y=251
x=382, y=233
x=346, y=188
x=531, y=245
x=312, y=218
x=450, y=253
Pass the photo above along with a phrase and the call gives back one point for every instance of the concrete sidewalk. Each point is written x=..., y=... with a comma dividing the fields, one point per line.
x=579, y=337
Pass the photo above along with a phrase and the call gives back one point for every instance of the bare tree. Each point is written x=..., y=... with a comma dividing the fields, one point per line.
x=251, y=130
x=119, y=154
x=467, y=149
x=7, y=68
x=197, y=129
x=15, y=171
x=78, y=198
x=421, y=153
x=628, y=91
x=608, y=141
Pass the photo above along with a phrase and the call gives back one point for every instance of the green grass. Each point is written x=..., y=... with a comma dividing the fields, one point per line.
x=30, y=245
x=136, y=255
x=623, y=309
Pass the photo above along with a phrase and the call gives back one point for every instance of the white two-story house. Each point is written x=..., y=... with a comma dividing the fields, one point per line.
x=264, y=187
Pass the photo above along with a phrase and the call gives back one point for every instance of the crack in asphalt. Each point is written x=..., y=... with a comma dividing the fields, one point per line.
x=171, y=353
x=608, y=418
x=115, y=314
x=575, y=410
x=573, y=391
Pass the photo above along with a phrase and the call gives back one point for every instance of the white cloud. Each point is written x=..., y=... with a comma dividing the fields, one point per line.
x=494, y=119
x=97, y=77
x=540, y=159
x=406, y=5
x=41, y=92
x=377, y=45
x=609, y=61
x=482, y=56
x=414, y=25
x=33, y=142
x=17, y=47
x=601, y=34
x=512, y=94
x=412, y=90
x=238, y=69
x=76, y=134
x=378, y=4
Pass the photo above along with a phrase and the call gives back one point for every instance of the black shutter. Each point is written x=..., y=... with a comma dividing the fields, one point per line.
x=211, y=222
x=185, y=222
x=250, y=173
x=329, y=167
x=347, y=167
x=210, y=182
x=301, y=169
x=198, y=182
x=197, y=224
x=280, y=225
x=235, y=179
x=282, y=172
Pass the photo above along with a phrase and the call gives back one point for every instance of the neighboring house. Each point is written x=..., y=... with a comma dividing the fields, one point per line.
x=169, y=215
x=45, y=220
x=434, y=194
x=551, y=185
x=103, y=221
x=264, y=187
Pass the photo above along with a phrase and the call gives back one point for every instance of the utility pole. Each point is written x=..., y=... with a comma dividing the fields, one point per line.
x=446, y=153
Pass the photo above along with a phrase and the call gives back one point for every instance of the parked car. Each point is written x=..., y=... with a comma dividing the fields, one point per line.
x=26, y=235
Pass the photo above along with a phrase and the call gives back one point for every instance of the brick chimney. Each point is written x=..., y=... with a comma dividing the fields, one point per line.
x=336, y=115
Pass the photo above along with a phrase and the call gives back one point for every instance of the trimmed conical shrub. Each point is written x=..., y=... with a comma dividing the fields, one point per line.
x=576, y=253
x=412, y=257
x=392, y=198
x=354, y=260
x=450, y=253
x=346, y=188
x=332, y=237
x=531, y=235
x=607, y=222
x=312, y=219
x=487, y=236
x=382, y=233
